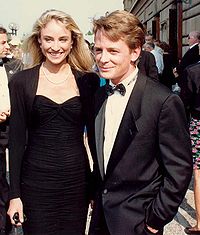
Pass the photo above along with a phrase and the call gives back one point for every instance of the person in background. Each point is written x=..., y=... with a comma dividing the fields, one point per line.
x=190, y=57
x=13, y=61
x=167, y=77
x=142, y=138
x=4, y=115
x=149, y=39
x=150, y=47
x=147, y=65
x=190, y=94
x=51, y=104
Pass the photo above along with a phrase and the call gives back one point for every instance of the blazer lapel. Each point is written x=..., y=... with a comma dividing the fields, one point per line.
x=99, y=129
x=128, y=127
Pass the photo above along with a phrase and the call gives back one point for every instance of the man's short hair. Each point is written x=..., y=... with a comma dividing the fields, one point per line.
x=121, y=25
x=3, y=30
x=149, y=45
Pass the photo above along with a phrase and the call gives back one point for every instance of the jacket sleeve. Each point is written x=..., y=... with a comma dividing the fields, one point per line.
x=17, y=133
x=176, y=160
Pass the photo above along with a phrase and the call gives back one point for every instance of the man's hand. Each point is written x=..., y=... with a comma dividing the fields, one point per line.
x=152, y=230
x=175, y=73
x=4, y=115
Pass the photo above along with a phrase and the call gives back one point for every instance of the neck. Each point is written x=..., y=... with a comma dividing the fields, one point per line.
x=54, y=75
x=55, y=68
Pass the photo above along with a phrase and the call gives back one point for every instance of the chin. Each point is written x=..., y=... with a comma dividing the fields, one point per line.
x=105, y=75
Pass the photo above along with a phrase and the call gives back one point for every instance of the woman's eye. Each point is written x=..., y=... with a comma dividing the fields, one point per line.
x=48, y=39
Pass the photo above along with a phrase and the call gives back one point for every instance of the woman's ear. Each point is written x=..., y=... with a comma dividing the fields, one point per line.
x=39, y=41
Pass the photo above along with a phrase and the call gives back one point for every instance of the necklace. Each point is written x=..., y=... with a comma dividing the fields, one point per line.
x=53, y=82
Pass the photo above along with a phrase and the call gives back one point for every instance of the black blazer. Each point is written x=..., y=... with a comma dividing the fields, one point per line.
x=147, y=65
x=190, y=57
x=23, y=88
x=190, y=91
x=11, y=66
x=150, y=166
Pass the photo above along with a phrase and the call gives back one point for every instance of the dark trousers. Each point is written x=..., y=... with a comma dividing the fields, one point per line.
x=5, y=225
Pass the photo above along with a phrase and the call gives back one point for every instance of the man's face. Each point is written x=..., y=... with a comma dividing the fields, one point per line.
x=4, y=47
x=115, y=60
x=148, y=38
x=192, y=39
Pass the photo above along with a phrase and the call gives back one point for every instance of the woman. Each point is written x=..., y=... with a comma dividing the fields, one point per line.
x=190, y=94
x=51, y=103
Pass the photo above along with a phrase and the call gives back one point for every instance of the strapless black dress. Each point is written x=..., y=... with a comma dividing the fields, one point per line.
x=55, y=170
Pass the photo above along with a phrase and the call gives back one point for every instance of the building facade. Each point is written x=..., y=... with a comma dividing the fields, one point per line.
x=168, y=20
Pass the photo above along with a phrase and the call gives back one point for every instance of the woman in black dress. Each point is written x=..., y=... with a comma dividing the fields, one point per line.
x=51, y=104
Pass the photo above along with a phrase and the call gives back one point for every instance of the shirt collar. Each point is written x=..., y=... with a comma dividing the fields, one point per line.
x=193, y=45
x=127, y=81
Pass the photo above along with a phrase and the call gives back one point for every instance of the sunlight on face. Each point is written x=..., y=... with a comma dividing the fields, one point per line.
x=114, y=59
x=55, y=42
x=4, y=47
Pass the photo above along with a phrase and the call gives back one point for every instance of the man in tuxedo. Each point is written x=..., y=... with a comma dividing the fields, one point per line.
x=190, y=57
x=144, y=163
x=4, y=114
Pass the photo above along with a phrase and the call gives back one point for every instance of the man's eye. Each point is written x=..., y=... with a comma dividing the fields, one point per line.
x=97, y=51
x=113, y=51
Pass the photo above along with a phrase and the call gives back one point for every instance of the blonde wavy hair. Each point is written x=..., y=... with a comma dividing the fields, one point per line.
x=79, y=57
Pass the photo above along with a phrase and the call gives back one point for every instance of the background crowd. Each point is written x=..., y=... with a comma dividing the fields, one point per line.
x=43, y=126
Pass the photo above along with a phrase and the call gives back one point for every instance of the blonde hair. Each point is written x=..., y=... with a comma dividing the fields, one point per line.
x=121, y=25
x=79, y=57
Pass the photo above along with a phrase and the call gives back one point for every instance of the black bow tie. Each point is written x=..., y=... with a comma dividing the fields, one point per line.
x=1, y=62
x=119, y=87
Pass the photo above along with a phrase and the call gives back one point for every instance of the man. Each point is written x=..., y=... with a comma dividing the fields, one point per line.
x=150, y=47
x=149, y=39
x=144, y=162
x=13, y=62
x=190, y=57
x=147, y=65
x=4, y=114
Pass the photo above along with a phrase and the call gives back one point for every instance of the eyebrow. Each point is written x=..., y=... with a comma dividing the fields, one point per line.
x=48, y=36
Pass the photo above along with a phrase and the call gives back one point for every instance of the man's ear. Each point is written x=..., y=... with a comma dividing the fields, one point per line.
x=135, y=54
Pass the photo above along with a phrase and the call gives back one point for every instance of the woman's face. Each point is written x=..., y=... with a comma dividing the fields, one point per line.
x=55, y=42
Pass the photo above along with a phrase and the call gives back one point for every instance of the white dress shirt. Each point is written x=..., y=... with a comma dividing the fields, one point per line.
x=159, y=60
x=4, y=91
x=115, y=108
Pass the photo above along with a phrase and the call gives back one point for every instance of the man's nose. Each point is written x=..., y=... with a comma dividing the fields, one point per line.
x=104, y=57
x=7, y=46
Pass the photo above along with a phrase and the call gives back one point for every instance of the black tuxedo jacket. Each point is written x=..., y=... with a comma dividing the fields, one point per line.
x=190, y=57
x=11, y=66
x=150, y=166
x=190, y=91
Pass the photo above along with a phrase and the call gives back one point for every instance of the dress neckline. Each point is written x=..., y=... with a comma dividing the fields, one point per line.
x=71, y=98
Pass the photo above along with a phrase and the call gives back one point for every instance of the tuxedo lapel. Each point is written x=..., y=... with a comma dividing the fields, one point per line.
x=128, y=127
x=99, y=129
